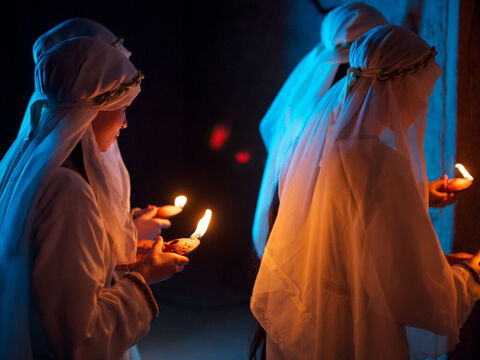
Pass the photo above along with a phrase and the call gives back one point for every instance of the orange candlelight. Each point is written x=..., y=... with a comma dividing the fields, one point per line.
x=202, y=225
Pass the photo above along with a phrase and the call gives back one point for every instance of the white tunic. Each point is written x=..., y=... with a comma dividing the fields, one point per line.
x=76, y=312
x=364, y=268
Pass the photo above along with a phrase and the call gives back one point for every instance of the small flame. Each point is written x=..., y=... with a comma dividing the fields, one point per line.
x=180, y=200
x=202, y=225
x=464, y=171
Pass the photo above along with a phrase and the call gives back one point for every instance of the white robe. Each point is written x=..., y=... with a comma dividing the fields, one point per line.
x=366, y=265
x=76, y=312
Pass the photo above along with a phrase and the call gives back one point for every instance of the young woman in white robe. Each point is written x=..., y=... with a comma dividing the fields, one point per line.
x=65, y=226
x=362, y=274
x=298, y=98
x=149, y=221
x=297, y=102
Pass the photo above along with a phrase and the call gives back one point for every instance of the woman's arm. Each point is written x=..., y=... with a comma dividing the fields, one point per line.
x=402, y=267
x=421, y=289
x=84, y=318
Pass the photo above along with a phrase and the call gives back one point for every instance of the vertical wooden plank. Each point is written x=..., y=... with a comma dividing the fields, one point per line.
x=467, y=211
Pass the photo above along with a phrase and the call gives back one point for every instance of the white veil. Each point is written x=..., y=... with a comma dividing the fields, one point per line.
x=73, y=81
x=299, y=96
x=76, y=27
x=346, y=279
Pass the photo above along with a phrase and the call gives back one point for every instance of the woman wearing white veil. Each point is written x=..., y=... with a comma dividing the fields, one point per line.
x=364, y=267
x=298, y=97
x=149, y=221
x=64, y=224
x=76, y=27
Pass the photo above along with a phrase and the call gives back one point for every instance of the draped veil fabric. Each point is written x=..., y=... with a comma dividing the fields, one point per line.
x=69, y=77
x=299, y=97
x=74, y=28
x=353, y=268
x=88, y=28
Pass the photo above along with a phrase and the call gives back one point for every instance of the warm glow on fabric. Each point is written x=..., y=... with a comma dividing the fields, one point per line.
x=220, y=135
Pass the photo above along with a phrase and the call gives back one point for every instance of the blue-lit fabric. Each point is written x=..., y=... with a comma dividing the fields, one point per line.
x=72, y=28
x=67, y=78
x=77, y=27
x=299, y=96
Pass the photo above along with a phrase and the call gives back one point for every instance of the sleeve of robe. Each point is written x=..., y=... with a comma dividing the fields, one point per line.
x=82, y=317
x=405, y=272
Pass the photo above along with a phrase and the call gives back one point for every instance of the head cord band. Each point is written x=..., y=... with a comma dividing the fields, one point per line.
x=353, y=74
x=117, y=42
x=116, y=93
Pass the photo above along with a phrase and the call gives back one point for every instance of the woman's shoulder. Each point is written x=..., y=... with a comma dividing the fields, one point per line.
x=67, y=188
x=63, y=177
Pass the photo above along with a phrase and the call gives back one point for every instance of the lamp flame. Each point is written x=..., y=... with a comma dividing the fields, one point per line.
x=463, y=171
x=202, y=225
x=180, y=201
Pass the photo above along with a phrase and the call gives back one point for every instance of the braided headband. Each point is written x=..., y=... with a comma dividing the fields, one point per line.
x=354, y=73
x=116, y=93
x=117, y=42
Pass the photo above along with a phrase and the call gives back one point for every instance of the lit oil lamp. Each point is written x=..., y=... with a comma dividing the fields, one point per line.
x=180, y=201
x=167, y=211
x=458, y=184
x=185, y=246
x=463, y=171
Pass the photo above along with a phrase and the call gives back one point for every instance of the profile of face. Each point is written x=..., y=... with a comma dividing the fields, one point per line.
x=416, y=90
x=107, y=125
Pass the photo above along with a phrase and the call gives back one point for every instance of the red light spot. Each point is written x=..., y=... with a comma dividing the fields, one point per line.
x=220, y=134
x=242, y=157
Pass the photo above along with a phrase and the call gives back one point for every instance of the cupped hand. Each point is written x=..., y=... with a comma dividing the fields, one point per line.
x=158, y=266
x=439, y=195
x=149, y=225
x=458, y=184
x=143, y=248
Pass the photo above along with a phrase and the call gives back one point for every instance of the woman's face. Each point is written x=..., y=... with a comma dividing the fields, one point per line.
x=107, y=125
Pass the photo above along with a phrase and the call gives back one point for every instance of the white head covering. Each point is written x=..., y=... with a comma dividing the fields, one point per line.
x=347, y=270
x=74, y=28
x=74, y=80
x=88, y=28
x=299, y=96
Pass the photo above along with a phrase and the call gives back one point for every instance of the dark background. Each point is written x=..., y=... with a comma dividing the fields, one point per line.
x=205, y=63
